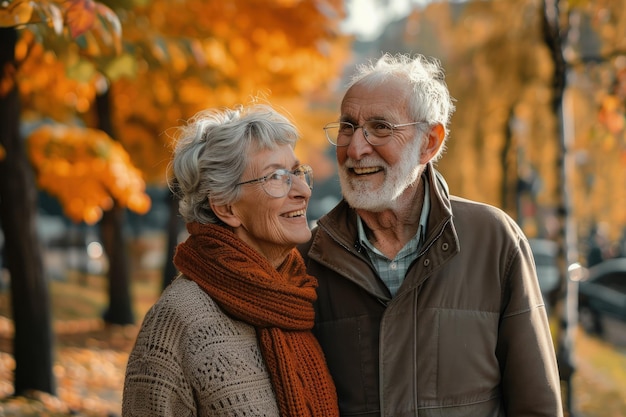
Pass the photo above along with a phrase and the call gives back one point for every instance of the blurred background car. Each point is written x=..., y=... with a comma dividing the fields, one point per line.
x=545, y=256
x=602, y=301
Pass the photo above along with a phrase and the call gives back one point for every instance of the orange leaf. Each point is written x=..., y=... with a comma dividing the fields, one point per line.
x=80, y=16
x=16, y=13
x=86, y=171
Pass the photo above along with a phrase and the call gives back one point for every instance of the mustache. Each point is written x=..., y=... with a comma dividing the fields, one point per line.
x=364, y=163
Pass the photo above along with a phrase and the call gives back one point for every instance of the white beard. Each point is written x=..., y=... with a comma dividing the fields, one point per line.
x=364, y=195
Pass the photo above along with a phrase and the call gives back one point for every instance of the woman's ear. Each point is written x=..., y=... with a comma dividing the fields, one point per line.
x=432, y=143
x=226, y=214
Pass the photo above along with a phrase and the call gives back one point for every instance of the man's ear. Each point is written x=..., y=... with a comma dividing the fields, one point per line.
x=432, y=143
x=226, y=214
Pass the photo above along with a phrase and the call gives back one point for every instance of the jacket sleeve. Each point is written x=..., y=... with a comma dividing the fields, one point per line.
x=530, y=379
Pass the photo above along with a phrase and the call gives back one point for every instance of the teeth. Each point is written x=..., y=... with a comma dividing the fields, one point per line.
x=361, y=171
x=297, y=213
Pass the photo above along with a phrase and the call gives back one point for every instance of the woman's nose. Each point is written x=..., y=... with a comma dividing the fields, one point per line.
x=299, y=187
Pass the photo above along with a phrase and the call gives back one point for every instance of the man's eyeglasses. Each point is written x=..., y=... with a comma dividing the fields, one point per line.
x=278, y=183
x=376, y=132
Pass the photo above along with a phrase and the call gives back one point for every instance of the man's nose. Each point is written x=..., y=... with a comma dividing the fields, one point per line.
x=359, y=145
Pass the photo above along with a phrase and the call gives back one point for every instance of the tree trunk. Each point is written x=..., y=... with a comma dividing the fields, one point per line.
x=33, y=340
x=120, y=309
x=567, y=239
x=508, y=164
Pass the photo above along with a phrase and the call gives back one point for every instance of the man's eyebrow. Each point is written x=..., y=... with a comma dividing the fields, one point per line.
x=351, y=120
x=378, y=117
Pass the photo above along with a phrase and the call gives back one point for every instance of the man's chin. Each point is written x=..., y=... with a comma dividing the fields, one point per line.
x=364, y=201
x=363, y=195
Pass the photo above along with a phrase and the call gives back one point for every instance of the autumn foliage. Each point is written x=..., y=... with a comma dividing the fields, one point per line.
x=87, y=171
x=182, y=57
x=163, y=61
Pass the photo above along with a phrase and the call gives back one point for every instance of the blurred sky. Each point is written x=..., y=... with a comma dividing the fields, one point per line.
x=367, y=18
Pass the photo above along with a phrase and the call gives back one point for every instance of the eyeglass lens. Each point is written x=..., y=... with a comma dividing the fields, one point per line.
x=279, y=182
x=376, y=132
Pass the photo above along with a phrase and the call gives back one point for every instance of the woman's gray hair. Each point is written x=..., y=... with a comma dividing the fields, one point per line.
x=430, y=100
x=211, y=153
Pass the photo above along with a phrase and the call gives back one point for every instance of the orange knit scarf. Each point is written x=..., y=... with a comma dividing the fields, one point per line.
x=278, y=303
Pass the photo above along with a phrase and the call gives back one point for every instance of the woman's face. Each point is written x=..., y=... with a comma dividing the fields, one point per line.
x=273, y=226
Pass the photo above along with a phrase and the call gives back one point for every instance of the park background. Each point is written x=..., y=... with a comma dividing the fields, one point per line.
x=90, y=92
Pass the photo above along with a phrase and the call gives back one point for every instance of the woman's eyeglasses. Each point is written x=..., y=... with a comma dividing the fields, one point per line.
x=278, y=183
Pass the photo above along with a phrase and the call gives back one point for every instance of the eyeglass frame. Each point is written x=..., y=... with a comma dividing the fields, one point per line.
x=366, y=134
x=305, y=169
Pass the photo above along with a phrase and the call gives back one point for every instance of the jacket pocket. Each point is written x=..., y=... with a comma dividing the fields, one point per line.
x=467, y=366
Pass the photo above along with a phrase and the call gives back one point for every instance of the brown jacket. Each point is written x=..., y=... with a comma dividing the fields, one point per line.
x=467, y=333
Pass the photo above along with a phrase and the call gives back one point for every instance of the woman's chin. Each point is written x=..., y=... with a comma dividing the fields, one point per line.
x=302, y=236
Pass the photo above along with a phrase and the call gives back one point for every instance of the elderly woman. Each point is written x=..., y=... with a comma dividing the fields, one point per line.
x=231, y=336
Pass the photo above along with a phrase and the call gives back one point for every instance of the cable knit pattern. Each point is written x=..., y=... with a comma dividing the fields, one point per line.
x=279, y=303
x=192, y=359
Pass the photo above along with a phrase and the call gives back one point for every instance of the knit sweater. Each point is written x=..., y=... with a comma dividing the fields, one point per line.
x=191, y=359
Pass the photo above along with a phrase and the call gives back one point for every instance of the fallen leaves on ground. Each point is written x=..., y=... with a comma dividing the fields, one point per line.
x=89, y=370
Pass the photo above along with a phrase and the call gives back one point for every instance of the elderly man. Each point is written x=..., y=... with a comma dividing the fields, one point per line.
x=428, y=304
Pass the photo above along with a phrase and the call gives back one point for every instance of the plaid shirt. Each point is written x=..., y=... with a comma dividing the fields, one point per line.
x=393, y=271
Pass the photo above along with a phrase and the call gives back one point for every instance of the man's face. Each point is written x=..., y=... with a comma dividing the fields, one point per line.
x=374, y=177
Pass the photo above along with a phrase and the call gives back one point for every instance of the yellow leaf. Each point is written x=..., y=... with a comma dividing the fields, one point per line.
x=123, y=66
x=83, y=71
